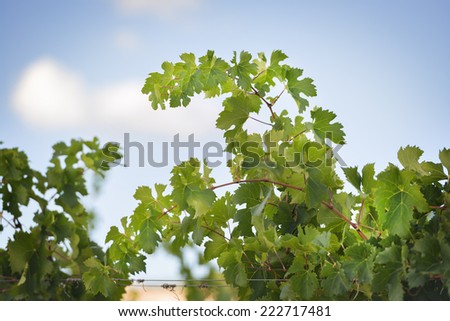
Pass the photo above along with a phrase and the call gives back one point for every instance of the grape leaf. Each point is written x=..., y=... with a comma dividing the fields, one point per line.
x=409, y=158
x=316, y=191
x=20, y=250
x=368, y=181
x=296, y=87
x=353, y=176
x=395, y=200
x=323, y=127
x=148, y=237
x=143, y=194
x=335, y=282
x=243, y=70
x=237, y=110
x=234, y=272
x=215, y=247
x=305, y=284
x=444, y=156
x=213, y=73
x=201, y=201
x=187, y=81
x=97, y=278
x=264, y=78
x=358, y=262
x=157, y=86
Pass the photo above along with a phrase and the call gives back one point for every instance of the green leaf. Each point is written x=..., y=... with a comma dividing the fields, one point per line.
x=324, y=128
x=264, y=79
x=236, y=111
x=223, y=209
x=335, y=282
x=258, y=209
x=97, y=279
x=305, y=284
x=368, y=181
x=201, y=201
x=243, y=70
x=250, y=194
x=234, y=272
x=187, y=81
x=215, y=247
x=358, y=262
x=157, y=86
x=353, y=176
x=395, y=200
x=143, y=194
x=444, y=156
x=148, y=237
x=390, y=273
x=296, y=87
x=20, y=251
x=409, y=158
x=244, y=219
x=434, y=173
x=315, y=190
x=131, y=263
x=213, y=72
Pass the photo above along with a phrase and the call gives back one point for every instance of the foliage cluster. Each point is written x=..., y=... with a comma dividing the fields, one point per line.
x=289, y=230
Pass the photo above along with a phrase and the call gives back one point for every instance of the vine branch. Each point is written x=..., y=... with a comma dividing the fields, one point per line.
x=268, y=104
x=167, y=211
x=259, y=180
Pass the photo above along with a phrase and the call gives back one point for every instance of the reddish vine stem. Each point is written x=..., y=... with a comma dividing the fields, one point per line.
x=371, y=228
x=167, y=211
x=437, y=207
x=269, y=105
x=342, y=216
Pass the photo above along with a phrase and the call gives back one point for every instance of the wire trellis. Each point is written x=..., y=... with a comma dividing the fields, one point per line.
x=168, y=284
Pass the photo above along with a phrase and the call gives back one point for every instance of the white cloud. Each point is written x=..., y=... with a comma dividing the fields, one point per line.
x=160, y=8
x=49, y=95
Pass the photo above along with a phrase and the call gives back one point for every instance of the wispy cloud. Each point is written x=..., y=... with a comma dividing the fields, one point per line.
x=165, y=9
x=49, y=95
x=126, y=40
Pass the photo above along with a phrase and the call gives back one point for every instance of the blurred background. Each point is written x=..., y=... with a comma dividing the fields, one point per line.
x=71, y=69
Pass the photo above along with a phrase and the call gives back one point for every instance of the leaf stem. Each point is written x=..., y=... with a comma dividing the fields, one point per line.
x=7, y=221
x=214, y=231
x=277, y=97
x=358, y=220
x=260, y=121
x=296, y=135
x=280, y=260
x=259, y=180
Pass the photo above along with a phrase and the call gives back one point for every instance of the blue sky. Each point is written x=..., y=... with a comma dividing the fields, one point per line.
x=75, y=68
